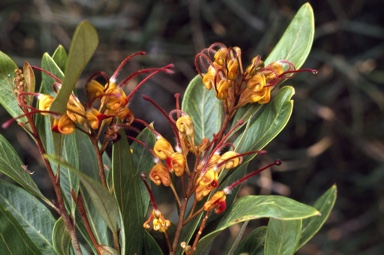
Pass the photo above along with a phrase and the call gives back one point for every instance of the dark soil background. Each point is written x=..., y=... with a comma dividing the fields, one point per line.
x=335, y=135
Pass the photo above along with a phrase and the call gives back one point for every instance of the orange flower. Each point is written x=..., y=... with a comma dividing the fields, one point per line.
x=206, y=183
x=63, y=125
x=125, y=115
x=159, y=174
x=230, y=159
x=222, y=89
x=159, y=222
x=176, y=163
x=75, y=111
x=233, y=69
x=93, y=89
x=216, y=202
x=209, y=77
x=163, y=149
x=185, y=125
x=45, y=102
x=114, y=97
x=94, y=117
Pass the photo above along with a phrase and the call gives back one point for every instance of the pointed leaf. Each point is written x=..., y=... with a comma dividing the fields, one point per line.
x=324, y=205
x=87, y=164
x=150, y=245
x=100, y=196
x=143, y=160
x=253, y=243
x=126, y=181
x=13, y=239
x=61, y=238
x=255, y=207
x=282, y=237
x=60, y=57
x=296, y=42
x=7, y=96
x=11, y=166
x=204, y=108
x=83, y=45
x=34, y=217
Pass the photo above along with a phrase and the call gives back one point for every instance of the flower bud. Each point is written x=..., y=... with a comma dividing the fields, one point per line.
x=230, y=159
x=63, y=125
x=216, y=203
x=176, y=162
x=185, y=125
x=159, y=174
x=163, y=149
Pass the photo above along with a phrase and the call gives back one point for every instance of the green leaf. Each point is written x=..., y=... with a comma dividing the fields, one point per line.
x=60, y=57
x=324, y=205
x=100, y=196
x=87, y=164
x=255, y=207
x=68, y=179
x=8, y=98
x=282, y=237
x=13, y=239
x=268, y=123
x=246, y=113
x=49, y=65
x=11, y=166
x=61, y=238
x=83, y=46
x=34, y=217
x=150, y=245
x=204, y=109
x=253, y=243
x=143, y=160
x=297, y=40
x=126, y=181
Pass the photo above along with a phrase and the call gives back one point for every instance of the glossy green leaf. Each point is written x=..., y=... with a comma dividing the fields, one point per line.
x=282, y=237
x=12, y=166
x=43, y=123
x=61, y=238
x=143, y=160
x=126, y=181
x=34, y=217
x=204, y=108
x=253, y=243
x=100, y=196
x=246, y=113
x=150, y=245
x=68, y=179
x=268, y=123
x=60, y=57
x=296, y=42
x=324, y=205
x=53, y=142
x=13, y=239
x=255, y=207
x=88, y=165
x=83, y=46
x=7, y=96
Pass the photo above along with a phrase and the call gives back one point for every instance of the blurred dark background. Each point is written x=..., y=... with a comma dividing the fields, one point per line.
x=335, y=134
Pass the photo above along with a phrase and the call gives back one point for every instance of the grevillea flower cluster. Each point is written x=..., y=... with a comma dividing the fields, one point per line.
x=235, y=85
x=202, y=164
x=196, y=167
